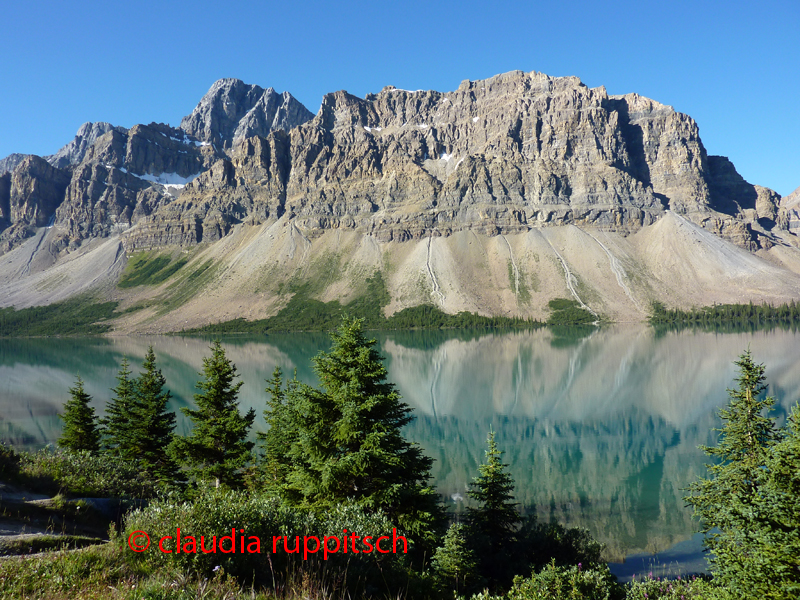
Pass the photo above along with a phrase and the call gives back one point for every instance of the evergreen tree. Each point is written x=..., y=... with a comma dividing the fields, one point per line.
x=81, y=428
x=770, y=557
x=118, y=424
x=152, y=426
x=281, y=434
x=496, y=514
x=349, y=444
x=454, y=561
x=217, y=448
x=728, y=500
x=494, y=522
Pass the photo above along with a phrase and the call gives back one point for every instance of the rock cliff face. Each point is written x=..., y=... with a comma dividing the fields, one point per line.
x=69, y=154
x=10, y=162
x=117, y=177
x=789, y=212
x=516, y=151
x=29, y=197
x=233, y=110
x=74, y=152
x=506, y=155
x=126, y=175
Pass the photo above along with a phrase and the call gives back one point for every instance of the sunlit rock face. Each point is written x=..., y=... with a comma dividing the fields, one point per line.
x=501, y=155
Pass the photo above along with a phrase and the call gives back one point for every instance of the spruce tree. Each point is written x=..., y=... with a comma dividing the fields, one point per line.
x=496, y=514
x=349, y=443
x=118, y=423
x=727, y=501
x=81, y=427
x=152, y=425
x=454, y=561
x=280, y=435
x=493, y=523
x=770, y=552
x=217, y=449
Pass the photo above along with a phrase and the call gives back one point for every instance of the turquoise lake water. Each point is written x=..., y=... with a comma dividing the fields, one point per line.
x=600, y=427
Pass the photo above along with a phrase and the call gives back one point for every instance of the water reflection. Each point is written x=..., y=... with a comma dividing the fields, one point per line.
x=600, y=427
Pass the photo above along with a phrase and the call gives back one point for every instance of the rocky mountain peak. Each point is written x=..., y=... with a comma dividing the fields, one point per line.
x=792, y=200
x=508, y=154
x=10, y=162
x=74, y=152
x=232, y=110
x=70, y=154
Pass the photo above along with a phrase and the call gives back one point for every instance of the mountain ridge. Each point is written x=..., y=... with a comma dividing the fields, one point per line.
x=516, y=155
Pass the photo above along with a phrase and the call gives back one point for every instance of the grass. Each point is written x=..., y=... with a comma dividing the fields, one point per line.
x=42, y=543
x=523, y=294
x=112, y=571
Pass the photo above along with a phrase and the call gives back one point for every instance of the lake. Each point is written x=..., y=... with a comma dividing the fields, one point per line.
x=601, y=427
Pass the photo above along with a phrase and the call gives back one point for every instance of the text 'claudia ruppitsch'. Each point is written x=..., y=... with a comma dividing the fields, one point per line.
x=240, y=543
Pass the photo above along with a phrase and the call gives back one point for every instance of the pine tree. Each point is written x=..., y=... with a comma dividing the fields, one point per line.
x=496, y=514
x=118, y=424
x=81, y=427
x=152, y=426
x=454, y=561
x=349, y=443
x=770, y=556
x=217, y=448
x=727, y=501
x=494, y=522
x=281, y=434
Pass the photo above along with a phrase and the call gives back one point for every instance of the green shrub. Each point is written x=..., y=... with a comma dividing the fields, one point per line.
x=9, y=463
x=216, y=512
x=563, y=583
x=81, y=474
x=542, y=543
x=568, y=312
x=688, y=588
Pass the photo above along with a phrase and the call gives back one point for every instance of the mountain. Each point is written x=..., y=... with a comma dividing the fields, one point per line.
x=494, y=198
x=69, y=154
x=10, y=162
x=74, y=152
x=233, y=110
x=790, y=210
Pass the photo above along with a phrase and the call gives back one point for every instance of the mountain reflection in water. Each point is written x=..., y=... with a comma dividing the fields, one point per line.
x=600, y=427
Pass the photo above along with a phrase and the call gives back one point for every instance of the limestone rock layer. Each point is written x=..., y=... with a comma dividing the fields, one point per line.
x=504, y=155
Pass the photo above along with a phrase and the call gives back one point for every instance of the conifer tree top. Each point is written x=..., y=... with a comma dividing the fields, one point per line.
x=217, y=449
x=81, y=428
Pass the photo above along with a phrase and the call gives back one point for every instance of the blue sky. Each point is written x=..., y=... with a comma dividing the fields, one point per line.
x=733, y=66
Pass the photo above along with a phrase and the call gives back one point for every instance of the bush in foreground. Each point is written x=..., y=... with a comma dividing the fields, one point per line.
x=688, y=588
x=9, y=463
x=563, y=583
x=84, y=474
x=216, y=512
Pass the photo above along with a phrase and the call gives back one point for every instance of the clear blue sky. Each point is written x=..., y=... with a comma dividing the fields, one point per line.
x=733, y=66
